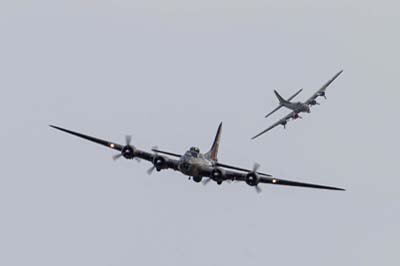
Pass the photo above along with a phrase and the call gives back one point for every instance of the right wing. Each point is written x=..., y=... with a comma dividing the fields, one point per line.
x=282, y=122
x=277, y=181
x=280, y=105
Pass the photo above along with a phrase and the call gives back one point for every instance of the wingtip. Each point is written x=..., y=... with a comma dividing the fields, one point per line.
x=338, y=189
x=55, y=127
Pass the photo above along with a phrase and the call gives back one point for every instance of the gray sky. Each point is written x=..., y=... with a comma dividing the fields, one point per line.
x=168, y=72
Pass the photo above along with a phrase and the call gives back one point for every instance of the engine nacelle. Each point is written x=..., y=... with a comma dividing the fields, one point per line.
x=128, y=152
x=159, y=162
x=217, y=174
x=295, y=115
x=252, y=179
x=322, y=94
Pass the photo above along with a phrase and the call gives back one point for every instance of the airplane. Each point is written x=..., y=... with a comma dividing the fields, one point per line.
x=194, y=164
x=297, y=107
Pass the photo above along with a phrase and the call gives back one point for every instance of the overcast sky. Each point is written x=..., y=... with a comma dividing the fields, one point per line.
x=168, y=72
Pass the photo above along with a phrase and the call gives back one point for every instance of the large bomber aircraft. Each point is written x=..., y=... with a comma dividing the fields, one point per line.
x=198, y=166
x=297, y=107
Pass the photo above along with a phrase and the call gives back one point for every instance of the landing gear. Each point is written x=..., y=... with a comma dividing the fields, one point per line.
x=219, y=182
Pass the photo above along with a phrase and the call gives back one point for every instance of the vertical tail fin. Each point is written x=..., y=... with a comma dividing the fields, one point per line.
x=213, y=153
x=281, y=103
x=280, y=98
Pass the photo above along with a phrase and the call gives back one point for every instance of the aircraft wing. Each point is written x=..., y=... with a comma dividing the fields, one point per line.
x=283, y=121
x=321, y=91
x=239, y=169
x=277, y=181
x=166, y=153
x=169, y=163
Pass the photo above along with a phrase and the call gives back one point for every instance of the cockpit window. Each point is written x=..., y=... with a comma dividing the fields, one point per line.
x=194, y=151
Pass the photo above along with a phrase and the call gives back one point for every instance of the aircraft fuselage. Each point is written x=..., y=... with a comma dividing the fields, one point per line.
x=297, y=107
x=194, y=164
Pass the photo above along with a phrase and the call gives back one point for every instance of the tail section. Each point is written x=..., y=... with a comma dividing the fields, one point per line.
x=282, y=101
x=280, y=98
x=213, y=153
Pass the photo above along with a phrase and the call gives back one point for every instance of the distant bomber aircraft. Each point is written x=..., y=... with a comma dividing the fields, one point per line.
x=296, y=107
x=195, y=164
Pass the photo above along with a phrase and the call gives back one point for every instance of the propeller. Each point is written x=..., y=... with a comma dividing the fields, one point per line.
x=206, y=181
x=128, y=139
x=323, y=94
x=256, y=166
x=151, y=169
x=127, y=151
x=117, y=156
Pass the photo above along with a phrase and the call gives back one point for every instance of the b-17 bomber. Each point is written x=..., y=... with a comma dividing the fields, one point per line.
x=194, y=164
x=296, y=107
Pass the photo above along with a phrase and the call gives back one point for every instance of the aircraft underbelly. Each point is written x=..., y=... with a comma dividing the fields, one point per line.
x=192, y=167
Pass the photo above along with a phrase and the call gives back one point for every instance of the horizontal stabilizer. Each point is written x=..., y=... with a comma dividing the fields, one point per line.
x=294, y=95
x=273, y=111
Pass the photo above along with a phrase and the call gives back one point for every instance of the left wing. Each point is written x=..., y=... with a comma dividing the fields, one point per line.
x=276, y=181
x=321, y=91
x=127, y=150
x=283, y=121
x=239, y=169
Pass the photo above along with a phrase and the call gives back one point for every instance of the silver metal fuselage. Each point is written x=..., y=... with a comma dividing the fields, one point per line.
x=194, y=164
x=297, y=107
